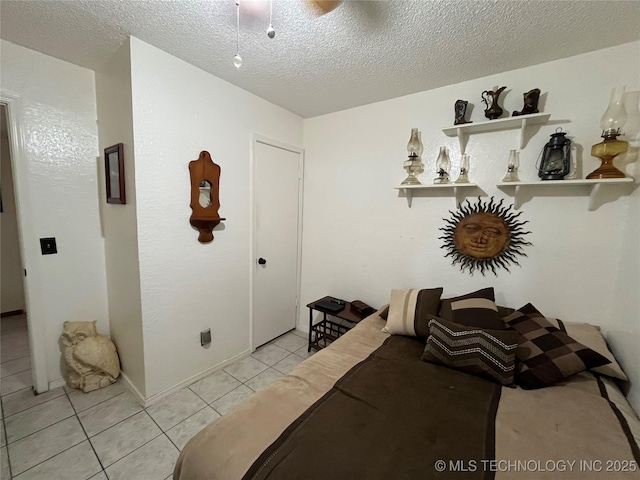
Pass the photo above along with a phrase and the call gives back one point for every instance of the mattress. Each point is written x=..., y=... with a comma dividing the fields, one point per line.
x=368, y=407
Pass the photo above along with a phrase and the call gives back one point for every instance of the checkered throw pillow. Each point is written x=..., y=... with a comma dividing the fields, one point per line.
x=545, y=354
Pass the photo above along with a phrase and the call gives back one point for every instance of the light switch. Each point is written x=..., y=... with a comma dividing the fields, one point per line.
x=48, y=246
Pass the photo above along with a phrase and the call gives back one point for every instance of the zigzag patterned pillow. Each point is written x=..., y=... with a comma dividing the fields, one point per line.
x=487, y=353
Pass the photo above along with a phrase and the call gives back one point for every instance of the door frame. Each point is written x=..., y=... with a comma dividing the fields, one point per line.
x=258, y=138
x=24, y=214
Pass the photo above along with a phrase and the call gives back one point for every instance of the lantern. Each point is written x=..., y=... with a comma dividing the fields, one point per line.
x=556, y=157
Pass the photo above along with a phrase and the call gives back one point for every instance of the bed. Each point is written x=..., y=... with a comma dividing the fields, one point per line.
x=369, y=407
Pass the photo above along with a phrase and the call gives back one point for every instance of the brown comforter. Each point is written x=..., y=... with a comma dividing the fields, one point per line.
x=367, y=407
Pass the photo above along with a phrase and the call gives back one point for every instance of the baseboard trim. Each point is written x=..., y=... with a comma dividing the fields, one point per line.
x=146, y=402
x=58, y=382
x=11, y=313
x=132, y=388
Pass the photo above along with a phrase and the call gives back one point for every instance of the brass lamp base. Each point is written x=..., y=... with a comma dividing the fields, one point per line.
x=606, y=151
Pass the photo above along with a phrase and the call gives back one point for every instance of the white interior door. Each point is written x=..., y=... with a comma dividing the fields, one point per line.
x=276, y=202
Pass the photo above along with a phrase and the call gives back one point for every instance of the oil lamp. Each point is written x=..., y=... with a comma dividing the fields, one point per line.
x=512, y=167
x=443, y=164
x=464, y=170
x=556, y=157
x=413, y=165
x=611, y=123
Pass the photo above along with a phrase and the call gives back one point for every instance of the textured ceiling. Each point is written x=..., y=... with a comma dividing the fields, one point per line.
x=360, y=53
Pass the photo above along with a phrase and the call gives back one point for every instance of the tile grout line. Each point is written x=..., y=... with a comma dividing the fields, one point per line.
x=70, y=402
x=6, y=439
x=208, y=404
x=163, y=432
x=16, y=391
x=136, y=449
x=17, y=358
x=84, y=430
x=36, y=405
x=61, y=452
x=12, y=374
x=4, y=418
x=139, y=447
x=231, y=375
x=185, y=419
x=87, y=438
x=99, y=403
x=40, y=429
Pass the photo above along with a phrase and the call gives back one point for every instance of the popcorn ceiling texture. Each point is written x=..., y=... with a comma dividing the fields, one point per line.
x=360, y=53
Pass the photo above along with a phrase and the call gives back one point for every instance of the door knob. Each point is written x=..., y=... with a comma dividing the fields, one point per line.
x=262, y=261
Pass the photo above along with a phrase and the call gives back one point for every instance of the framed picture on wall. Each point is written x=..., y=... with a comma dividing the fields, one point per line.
x=114, y=174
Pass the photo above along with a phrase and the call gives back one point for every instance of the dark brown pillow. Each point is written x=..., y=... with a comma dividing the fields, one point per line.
x=547, y=355
x=409, y=311
x=477, y=309
x=487, y=353
x=504, y=311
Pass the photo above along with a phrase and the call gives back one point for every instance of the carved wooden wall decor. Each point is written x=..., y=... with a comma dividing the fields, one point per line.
x=205, y=186
x=484, y=236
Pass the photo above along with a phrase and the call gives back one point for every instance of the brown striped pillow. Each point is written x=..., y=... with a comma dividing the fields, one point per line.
x=486, y=353
x=409, y=311
x=547, y=355
x=476, y=309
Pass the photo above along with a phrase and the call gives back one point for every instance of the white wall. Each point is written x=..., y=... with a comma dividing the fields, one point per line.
x=115, y=125
x=57, y=190
x=11, y=280
x=178, y=111
x=361, y=240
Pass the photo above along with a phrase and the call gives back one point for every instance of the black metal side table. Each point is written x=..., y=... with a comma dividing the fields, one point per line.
x=327, y=330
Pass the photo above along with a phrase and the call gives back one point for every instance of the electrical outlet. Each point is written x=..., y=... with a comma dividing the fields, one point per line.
x=205, y=337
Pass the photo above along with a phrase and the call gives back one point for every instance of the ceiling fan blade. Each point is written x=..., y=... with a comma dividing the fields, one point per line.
x=322, y=7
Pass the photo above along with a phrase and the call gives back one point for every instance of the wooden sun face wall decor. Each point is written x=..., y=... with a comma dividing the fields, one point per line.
x=484, y=236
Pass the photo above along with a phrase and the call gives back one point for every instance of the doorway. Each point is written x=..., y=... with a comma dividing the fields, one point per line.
x=15, y=356
x=277, y=221
x=11, y=115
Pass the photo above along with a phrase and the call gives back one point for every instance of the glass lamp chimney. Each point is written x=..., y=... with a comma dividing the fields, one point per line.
x=615, y=116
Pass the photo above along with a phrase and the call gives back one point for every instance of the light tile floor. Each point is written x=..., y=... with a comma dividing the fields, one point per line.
x=66, y=434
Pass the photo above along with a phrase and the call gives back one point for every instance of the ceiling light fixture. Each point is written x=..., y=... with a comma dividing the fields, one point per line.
x=237, y=59
x=271, y=31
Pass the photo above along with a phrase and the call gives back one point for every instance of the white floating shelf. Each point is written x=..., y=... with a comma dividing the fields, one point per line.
x=458, y=190
x=463, y=131
x=594, y=184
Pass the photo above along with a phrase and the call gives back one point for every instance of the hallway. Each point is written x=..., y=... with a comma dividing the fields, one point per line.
x=14, y=354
